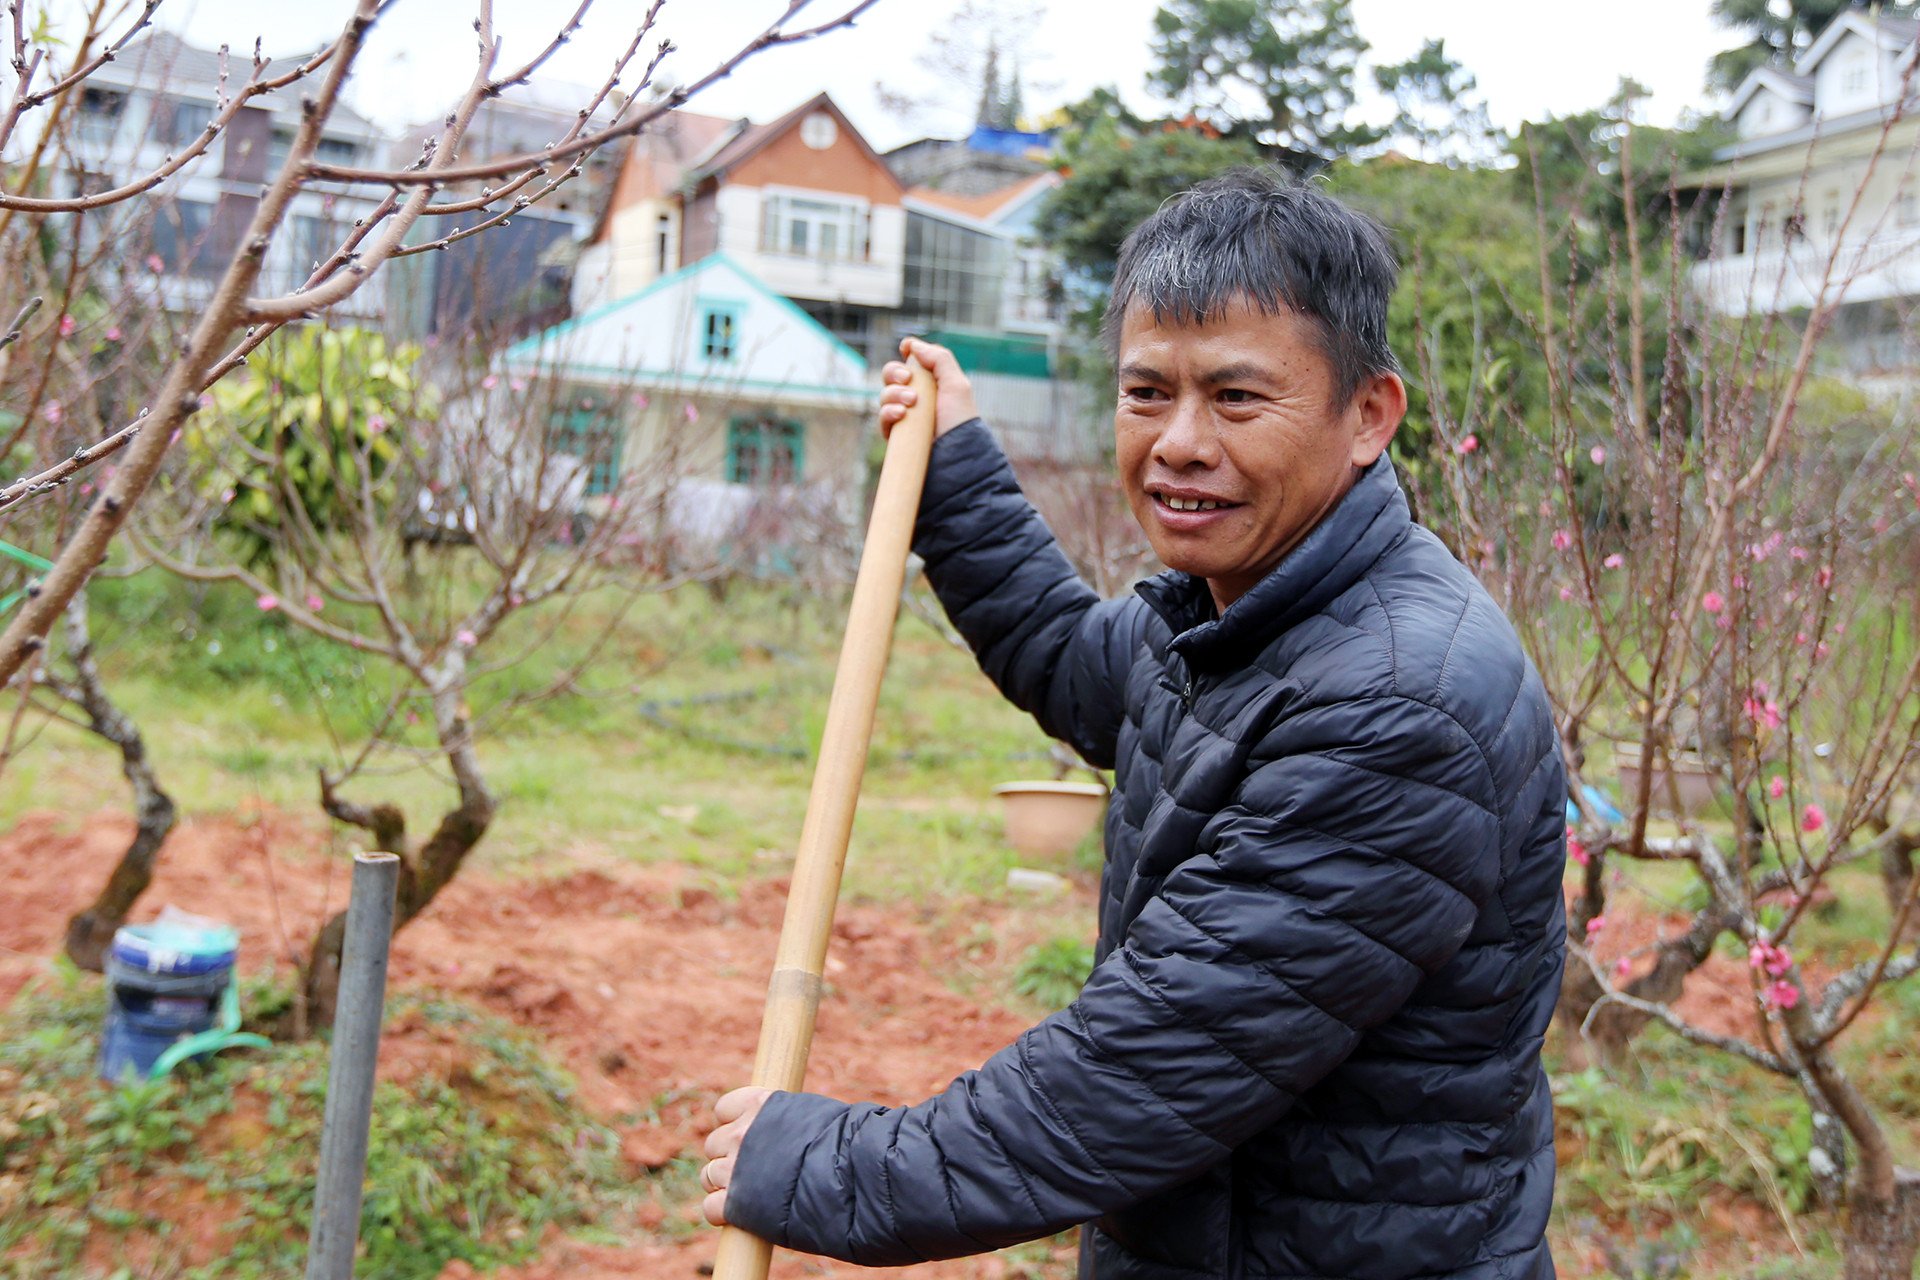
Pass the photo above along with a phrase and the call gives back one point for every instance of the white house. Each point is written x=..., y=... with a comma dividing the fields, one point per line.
x=1809, y=139
x=155, y=98
x=709, y=376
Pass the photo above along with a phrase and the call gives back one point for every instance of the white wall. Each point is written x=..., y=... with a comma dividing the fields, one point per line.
x=875, y=282
x=659, y=341
x=1770, y=113
x=1855, y=75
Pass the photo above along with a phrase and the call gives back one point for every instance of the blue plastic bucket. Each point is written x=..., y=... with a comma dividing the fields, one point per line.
x=165, y=982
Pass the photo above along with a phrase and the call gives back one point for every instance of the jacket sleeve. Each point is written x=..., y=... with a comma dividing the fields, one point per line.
x=1054, y=648
x=1350, y=866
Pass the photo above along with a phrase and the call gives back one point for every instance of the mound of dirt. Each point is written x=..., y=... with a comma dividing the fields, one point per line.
x=646, y=982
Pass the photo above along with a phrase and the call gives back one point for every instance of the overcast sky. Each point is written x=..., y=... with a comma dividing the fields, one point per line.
x=1531, y=56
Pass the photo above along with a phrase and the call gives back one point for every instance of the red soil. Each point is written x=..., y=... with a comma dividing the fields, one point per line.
x=646, y=983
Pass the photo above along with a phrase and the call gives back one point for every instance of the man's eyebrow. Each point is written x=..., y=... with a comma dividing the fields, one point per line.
x=1141, y=373
x=1239, y=371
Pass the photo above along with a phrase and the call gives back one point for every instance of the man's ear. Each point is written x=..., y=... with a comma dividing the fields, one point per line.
x=1381, y=403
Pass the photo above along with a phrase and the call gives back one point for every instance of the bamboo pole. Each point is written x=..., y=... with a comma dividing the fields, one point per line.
x=793, y=995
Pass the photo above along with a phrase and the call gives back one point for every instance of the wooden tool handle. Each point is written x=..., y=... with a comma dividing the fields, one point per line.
x=793, y=996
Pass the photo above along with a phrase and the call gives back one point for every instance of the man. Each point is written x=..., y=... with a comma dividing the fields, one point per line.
x=1331, y=923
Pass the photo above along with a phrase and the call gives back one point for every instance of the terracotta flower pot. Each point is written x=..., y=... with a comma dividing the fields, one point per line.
x=1050, y=817
x=1698, y=784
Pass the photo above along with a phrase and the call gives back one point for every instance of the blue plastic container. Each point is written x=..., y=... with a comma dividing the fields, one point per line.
x=165, y=982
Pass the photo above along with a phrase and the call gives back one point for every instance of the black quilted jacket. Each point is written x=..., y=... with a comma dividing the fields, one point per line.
x=1331, y=929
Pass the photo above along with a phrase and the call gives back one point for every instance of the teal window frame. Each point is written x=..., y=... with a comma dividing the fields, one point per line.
x=755, y=447
x=584, y=428
x=720, y=329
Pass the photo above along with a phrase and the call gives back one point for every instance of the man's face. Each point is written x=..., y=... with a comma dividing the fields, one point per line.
x=1238, y=417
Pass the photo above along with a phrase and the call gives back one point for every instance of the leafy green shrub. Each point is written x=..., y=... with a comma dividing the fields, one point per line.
x=1052, y=973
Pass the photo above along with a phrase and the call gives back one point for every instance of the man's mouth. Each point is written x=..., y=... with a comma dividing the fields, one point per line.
x=1189, y=501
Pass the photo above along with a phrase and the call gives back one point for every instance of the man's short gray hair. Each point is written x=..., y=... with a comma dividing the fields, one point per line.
x=1278, y=244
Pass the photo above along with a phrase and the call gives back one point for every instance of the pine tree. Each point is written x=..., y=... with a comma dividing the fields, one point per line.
x=1279, y=71
x=990, y=89
x=1014, y=105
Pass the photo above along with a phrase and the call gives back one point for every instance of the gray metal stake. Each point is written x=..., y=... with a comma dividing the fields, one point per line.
x=356, y=1051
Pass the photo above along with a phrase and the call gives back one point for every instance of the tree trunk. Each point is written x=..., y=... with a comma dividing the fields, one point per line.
x=423, y=872
x=1611, y=1030
x=90, y=932
x=1896, y=868
x=1883, y=1231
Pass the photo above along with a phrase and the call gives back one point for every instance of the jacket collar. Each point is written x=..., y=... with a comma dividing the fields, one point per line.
x=1330, y=559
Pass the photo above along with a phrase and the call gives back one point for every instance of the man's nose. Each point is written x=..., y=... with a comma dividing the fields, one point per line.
x=1189, y=439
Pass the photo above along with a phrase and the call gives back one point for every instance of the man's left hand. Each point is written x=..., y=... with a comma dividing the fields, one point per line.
x=735, y=1112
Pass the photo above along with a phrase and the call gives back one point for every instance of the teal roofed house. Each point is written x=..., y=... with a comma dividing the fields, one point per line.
x=712, y=383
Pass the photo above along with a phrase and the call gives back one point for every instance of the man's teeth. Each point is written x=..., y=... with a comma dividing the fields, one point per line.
x=1191, y=504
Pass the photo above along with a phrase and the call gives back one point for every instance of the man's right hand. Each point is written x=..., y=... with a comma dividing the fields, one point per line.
x=955, y=403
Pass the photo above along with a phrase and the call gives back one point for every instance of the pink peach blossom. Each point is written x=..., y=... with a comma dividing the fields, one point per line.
x=1599, y=455
x=489, y=382
x=1467, y=445
x=1613, y=561
x=267, y=603
x=1713, y=602
x=1771, y=959
x=1782, y=995
x=466, y=639
x=314, y=603
x=1812, y=818
x=1562, y=539
x=113, y=333
x=1595, y=925
x=67, y=325
x=1777, y=788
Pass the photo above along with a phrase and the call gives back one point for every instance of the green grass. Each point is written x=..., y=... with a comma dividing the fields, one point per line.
x=473, y=1166
x=687, y=741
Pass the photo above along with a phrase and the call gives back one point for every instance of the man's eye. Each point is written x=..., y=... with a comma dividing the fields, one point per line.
x=1143, y=393
x=1233, y=396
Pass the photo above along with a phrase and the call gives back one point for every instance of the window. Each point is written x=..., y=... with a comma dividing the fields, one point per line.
x=587, y=430
x=719, y=329
x=314, y=241
x=181, y=232
x=329, y=150
x=818, y=131
x=1906, y=210
x=832, y=230
x=1857, y=78
x=665, y=233
x=177, y=123
x=954, y=276
x=765, y=451
x=100, y=112
x=1830, y=216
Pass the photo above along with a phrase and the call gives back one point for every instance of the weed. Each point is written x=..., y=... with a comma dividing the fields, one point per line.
x=1051, y=973
x=474, y=1166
